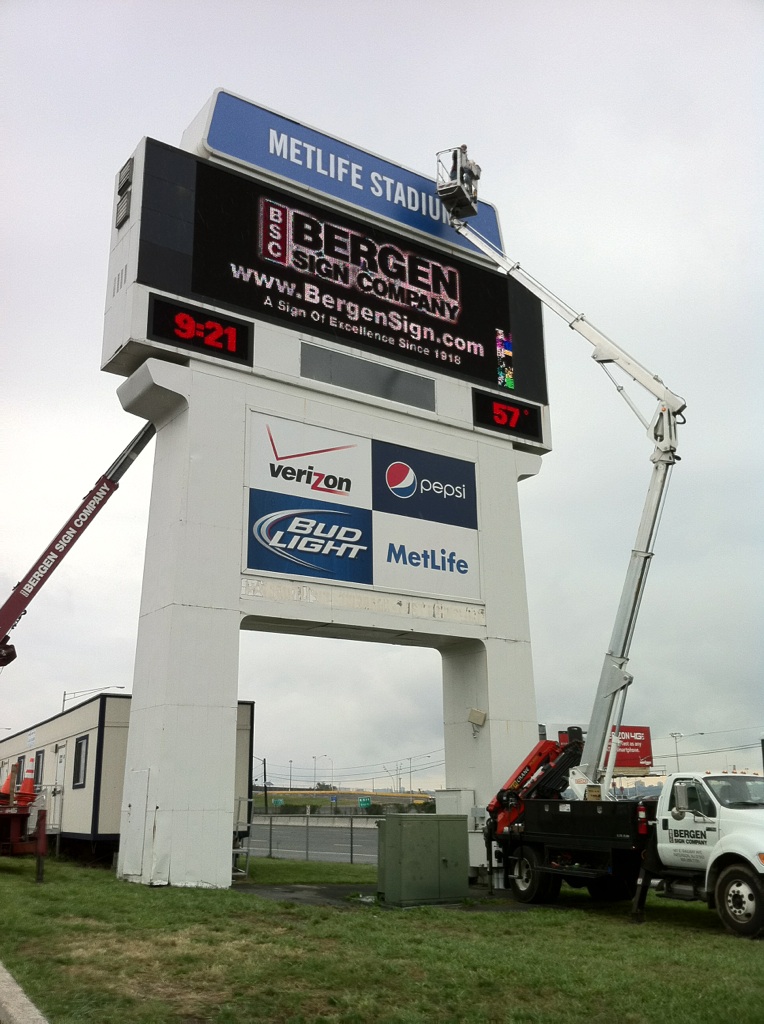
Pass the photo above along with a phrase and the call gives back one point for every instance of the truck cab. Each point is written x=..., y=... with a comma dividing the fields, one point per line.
x=709, y=843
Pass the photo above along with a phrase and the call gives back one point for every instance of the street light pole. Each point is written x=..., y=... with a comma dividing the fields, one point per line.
x=314, y=767
x=682, y=736
x=70, y=694
x=677, y=737
x=290, y=774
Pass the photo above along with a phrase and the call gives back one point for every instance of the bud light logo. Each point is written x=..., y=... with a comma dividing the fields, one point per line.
x=401, y=479
x=313, y=539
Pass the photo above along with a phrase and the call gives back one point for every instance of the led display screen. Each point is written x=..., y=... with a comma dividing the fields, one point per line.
x=229, y=240
x=200, y=330
x=506, y=416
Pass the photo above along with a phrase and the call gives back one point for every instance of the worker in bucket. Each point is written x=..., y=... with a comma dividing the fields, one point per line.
x=465, y=170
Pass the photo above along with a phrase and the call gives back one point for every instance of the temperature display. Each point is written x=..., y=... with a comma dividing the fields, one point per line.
x=201, y=330
x=507, y=416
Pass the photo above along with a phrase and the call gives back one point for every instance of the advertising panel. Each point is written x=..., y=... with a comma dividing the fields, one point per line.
x=420, y=485
x=309, y=538
x=289, y=261
x=341, y=508
x=430, y=558
x=217, y=237
x=309, y=462
x=635, y=750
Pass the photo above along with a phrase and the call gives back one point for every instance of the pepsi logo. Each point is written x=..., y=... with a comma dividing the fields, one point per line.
x=401, y=480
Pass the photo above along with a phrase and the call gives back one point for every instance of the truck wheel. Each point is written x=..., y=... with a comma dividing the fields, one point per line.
x=528, y=884
x=740, y=900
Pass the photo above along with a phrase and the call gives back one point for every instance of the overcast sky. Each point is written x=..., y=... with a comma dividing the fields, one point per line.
x=621, y=143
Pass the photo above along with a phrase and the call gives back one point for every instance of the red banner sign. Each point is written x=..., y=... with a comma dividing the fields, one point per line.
x=635, y=749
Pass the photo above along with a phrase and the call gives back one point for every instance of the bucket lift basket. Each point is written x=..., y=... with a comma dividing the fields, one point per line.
x=456, y=182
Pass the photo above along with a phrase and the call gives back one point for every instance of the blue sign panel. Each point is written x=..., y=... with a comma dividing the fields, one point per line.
x=309, y=538
x=420, y=485
x=263, y=139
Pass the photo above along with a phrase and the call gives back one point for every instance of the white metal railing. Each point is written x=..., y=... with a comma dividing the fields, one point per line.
x=311, y=837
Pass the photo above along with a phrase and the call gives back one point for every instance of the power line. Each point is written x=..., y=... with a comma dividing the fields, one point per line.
x=719, y=732
x=358, y=777
x=377, y=765
x=710, y=750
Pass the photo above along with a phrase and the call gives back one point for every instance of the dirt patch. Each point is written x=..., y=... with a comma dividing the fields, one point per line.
x=347, y=896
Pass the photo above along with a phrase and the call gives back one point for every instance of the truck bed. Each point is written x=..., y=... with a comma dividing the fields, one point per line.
x=583, y=824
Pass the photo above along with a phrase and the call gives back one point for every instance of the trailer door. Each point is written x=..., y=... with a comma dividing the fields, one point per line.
x=56, y=817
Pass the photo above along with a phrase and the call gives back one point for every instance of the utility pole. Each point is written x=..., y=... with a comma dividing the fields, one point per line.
x=677, y=737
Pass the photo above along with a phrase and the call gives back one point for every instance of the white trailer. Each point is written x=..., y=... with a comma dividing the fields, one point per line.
x=78, y=757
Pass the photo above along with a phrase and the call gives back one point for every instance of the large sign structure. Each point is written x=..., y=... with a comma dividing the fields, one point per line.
x=345, y=400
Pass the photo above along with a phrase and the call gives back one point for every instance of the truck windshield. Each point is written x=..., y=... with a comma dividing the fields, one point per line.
x=737, y=791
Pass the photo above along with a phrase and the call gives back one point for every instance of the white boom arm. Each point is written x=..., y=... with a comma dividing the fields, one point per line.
x=662, y=430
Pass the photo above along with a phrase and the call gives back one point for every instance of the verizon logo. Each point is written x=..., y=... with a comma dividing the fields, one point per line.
x=314, y=479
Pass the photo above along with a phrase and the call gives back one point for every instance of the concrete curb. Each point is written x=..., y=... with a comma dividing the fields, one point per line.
x=15, y=1008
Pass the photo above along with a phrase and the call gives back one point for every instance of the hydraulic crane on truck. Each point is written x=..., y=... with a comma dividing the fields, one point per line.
x=30, y=584
x=551, y=764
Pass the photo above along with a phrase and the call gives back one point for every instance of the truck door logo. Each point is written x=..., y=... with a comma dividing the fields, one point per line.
x=688, y=836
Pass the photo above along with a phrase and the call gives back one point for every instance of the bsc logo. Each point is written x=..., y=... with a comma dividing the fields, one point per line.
x=401, y=480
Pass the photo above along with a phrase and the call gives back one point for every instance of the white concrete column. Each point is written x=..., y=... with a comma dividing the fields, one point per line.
x=496, y=677
x=177, y=813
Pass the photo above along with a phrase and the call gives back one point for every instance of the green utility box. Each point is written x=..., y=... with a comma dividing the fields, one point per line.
x=423, y=858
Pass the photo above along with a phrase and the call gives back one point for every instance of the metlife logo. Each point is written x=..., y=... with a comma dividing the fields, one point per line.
x=425, y=557
x=421, y=485
x=309, y=538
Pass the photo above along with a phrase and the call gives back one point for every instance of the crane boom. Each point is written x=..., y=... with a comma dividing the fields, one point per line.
x=662, y=430
x=29, y=585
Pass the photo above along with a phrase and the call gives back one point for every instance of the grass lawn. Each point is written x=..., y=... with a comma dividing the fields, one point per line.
x=88, y=948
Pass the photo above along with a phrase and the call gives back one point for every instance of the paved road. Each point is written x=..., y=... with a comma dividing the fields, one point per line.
x=314, y=842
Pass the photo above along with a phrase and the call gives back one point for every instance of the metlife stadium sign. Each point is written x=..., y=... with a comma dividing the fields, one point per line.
x=339, y=508
x=237, y=129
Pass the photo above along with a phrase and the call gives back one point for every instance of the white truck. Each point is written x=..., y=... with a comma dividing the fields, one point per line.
x=708, y=844
x=704, y=838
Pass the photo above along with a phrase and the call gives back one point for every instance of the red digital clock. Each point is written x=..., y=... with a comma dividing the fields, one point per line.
x=507, y=415
x=200, y=330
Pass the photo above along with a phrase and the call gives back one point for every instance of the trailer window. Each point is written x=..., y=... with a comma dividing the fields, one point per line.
x=19, y=772
x=80, y=762
x=39, y=758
